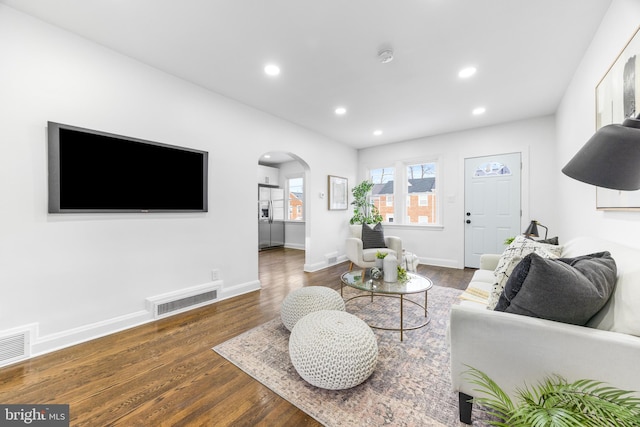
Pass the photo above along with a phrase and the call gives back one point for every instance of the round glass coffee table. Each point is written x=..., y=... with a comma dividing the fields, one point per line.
x=415, y=284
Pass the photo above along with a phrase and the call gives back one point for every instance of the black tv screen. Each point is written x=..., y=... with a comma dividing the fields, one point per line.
x=92, y=171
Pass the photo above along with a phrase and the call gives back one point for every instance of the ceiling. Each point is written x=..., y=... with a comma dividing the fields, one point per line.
x=525, y=53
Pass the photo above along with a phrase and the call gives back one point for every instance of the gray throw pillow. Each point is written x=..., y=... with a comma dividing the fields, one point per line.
x=372, y=237
x=549, y=241
x=569, y=290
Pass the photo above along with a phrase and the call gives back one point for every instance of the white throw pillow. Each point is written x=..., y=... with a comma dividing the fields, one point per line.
x=512, y=255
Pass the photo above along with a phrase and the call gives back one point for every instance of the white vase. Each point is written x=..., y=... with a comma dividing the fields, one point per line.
x=390, y=268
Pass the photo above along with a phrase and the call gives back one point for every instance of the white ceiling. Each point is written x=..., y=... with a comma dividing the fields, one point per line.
x=525, y=51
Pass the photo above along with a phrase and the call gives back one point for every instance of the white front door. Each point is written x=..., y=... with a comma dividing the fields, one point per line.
x=492, y=204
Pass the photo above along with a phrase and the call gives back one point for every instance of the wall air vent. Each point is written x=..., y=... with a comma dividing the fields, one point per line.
x=186, y=299
x=14, y=347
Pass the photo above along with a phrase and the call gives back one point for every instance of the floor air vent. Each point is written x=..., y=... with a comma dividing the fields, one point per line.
x=14, y=347
x=168, y=304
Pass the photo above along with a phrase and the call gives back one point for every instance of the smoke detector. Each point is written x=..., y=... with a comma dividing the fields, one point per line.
x=385, y=56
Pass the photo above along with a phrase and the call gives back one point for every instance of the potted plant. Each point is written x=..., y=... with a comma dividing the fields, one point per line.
x=380, y=258
x=556, y=402
x=364, y=211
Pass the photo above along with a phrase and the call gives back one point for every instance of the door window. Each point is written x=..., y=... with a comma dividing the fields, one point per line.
x=491, y=169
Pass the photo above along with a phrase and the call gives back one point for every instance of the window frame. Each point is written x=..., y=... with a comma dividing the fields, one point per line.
x=288, y=191
x=401, y=194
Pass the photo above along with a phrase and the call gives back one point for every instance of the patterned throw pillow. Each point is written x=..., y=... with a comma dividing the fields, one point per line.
x=518, y=249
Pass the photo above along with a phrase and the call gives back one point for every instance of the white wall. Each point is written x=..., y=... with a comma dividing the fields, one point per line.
x=78, y=276
x=576, y=124
x=534, y=138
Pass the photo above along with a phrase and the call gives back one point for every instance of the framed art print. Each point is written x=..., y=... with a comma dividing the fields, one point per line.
x=337, y=193
x=618, y=98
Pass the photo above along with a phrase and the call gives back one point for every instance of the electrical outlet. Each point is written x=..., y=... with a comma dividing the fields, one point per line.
x=215, y=274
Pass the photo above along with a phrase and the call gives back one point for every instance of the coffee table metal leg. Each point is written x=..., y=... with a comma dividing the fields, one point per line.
x=401, y=316
x=425, y=303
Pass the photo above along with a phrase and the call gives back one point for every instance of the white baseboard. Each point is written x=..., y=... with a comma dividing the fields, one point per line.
x=242, y=288
x=60, y=340
x=311, y=268
x=299, y=246
x=57, y=341
x=440, y=262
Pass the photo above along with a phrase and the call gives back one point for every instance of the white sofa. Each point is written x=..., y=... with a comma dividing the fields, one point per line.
x=516, y=350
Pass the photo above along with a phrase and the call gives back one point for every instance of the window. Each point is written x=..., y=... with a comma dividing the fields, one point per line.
x=295, y=187
x=414, y=202
x=492, y=169
x=383, y=190
x=421, y=184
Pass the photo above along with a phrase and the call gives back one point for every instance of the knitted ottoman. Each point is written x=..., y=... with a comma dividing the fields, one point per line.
x=303, y=301
x=333, y=349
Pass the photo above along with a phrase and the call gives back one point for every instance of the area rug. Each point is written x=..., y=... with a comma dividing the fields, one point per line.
x=410, y=386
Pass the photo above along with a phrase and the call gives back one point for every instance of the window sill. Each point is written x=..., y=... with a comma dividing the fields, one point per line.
x=391, y=225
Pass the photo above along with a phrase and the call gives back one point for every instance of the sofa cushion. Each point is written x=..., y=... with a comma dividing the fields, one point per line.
x=512, y=255
x=476, y=294
x=486, y=276
x=621, y=313
x=569, y=290
x=373, y=237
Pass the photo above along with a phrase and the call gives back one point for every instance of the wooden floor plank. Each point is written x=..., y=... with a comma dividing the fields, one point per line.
x=166, y=373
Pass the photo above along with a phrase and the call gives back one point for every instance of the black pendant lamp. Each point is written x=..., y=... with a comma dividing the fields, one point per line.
x=611, y=158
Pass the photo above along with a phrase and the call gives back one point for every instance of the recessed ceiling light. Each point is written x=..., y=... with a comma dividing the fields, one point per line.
x=340, y=111
x=465, y=73
x=272, y=70
x=377, y=132
x=478, y=111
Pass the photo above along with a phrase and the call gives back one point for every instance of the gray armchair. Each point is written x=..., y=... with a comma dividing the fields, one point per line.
x=366, y=258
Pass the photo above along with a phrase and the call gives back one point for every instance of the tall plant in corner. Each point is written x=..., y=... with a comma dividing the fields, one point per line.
x=364, y=211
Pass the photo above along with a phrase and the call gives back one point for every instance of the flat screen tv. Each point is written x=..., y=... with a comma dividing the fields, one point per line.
x=94, y=172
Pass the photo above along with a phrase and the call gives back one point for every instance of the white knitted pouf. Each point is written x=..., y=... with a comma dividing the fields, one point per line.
x=305, y=300
x=333, y=349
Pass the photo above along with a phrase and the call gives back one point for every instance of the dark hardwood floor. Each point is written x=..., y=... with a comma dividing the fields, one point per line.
x=165, y=373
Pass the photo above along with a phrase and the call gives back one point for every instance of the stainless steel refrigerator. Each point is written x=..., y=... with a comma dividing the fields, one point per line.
x=270, y=217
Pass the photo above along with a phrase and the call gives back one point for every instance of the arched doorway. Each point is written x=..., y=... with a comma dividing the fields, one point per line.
x=285, y=175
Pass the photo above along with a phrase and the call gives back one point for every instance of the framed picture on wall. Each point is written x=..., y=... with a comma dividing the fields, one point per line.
x=337, y=193
x=618, y=98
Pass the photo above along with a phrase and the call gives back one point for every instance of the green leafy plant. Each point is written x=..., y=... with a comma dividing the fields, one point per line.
x=402, y=274
x=381, y=255
x=554, y=402
x=509, y=240
x=364, y=211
